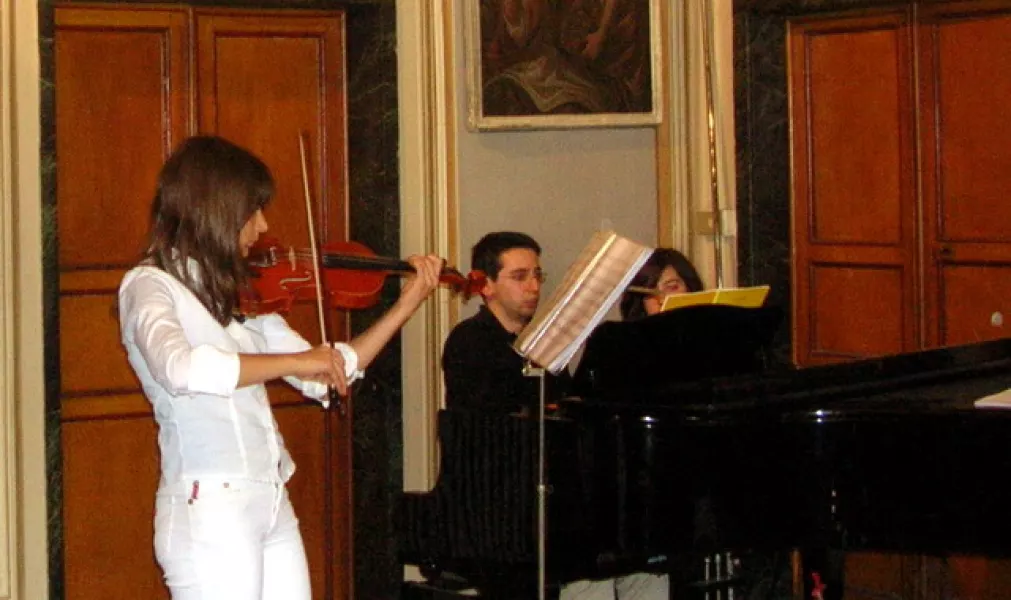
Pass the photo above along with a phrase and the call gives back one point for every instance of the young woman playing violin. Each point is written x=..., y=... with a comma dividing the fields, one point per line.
x=224, y=527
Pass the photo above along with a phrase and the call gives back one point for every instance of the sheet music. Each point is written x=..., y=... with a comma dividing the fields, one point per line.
x=590, y=287
x=746, y=297
x=998, y=400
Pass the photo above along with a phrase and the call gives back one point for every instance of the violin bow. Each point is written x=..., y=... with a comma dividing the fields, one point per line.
x=332, y=393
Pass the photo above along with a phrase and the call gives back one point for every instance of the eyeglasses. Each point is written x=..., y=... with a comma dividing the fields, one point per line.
x=522, y=276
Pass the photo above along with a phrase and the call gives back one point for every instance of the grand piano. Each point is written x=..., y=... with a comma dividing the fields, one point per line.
x=684, y=442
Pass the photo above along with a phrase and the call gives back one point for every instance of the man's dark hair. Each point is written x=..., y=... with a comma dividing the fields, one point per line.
x=486, y=255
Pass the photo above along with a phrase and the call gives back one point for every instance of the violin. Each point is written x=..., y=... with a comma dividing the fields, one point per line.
x=352, y=276
x=336, y=275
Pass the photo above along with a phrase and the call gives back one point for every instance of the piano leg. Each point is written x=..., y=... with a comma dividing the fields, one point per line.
x=717, y=576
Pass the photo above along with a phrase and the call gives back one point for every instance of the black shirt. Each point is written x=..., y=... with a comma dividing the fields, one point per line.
x=482, y=371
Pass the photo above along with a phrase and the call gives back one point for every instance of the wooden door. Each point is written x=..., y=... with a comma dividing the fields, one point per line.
x=965, y=83
x=124, y=100
x=121, y=105
x=855, y=275
x=965, y=66
x=262, y=79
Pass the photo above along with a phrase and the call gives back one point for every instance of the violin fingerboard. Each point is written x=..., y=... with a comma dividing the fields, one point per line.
x=365, y=263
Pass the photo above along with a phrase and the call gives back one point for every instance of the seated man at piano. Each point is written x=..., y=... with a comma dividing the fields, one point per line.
x=483, y=372
x=481, y=369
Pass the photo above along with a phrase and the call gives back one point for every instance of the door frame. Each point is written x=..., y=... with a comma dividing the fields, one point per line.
x=24, y=556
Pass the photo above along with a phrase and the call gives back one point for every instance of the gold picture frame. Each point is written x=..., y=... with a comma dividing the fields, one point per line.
x=546, y=65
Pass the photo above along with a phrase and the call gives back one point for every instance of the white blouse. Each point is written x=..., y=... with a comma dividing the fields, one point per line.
x=188, y=365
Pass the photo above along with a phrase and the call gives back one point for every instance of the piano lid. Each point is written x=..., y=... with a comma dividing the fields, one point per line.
x=951, y=377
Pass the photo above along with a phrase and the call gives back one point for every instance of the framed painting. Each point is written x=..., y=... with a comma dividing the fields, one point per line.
x=553, y=64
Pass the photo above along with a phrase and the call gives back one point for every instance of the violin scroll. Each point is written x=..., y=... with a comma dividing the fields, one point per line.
x=465, y=285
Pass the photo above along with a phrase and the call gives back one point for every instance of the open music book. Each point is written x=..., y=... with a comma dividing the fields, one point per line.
x=749, y=297
x=999, y=400
x=591, y=286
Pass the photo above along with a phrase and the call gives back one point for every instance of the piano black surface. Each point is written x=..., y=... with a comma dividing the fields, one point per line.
x=883, y=454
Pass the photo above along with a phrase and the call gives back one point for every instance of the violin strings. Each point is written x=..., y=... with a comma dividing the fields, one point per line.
x=350, y=261
x=346, y=261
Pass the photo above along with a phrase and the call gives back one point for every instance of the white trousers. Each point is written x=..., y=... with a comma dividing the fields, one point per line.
x=638, y=586
x=234, y=538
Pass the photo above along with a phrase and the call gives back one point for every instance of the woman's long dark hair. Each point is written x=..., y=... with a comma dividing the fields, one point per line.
x=631, y=305
x=207, y=190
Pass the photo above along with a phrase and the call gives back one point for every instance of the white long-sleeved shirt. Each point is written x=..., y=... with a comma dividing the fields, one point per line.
x=188, y=365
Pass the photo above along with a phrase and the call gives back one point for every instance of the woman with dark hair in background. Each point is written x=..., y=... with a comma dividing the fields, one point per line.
x=667, y=271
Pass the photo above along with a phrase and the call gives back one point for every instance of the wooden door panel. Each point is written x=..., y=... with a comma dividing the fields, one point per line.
x=877, y=575
x=855, y=137
x=110, y=474
x=851, y=301
x=965, y=58
x=974, y=182
x=106, y=405
x=120, y=107
x=975, y=301
x=981, y=577
x=262, y=82
x=854, y=187
x=92, y=359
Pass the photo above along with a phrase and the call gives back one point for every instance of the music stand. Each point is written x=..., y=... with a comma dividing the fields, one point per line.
x=591, y=286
